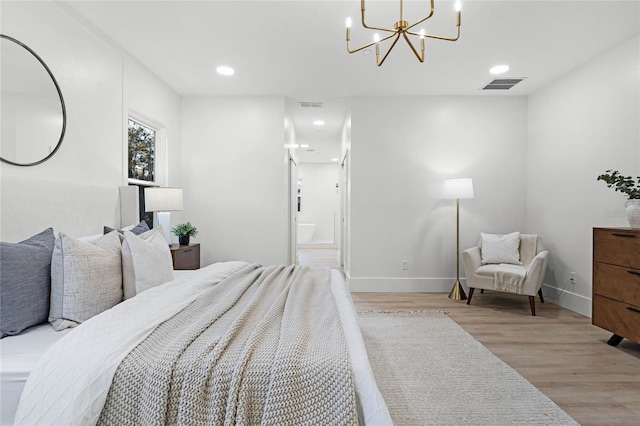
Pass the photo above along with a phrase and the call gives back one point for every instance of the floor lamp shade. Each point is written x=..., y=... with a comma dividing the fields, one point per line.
x=458, y=188
x=163, y=201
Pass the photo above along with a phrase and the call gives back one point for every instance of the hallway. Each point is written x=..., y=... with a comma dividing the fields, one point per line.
x=319, y=257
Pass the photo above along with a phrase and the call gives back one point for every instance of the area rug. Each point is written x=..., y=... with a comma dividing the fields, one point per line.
x=430, y=371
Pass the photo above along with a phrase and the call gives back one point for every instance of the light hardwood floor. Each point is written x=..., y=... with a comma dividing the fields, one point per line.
x=559, y=351
x=319, y=257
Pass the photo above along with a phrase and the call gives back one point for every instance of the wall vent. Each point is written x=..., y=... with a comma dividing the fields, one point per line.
x=502, y=83
x=310, y=104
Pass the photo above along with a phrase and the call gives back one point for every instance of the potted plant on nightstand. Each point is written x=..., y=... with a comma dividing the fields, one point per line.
x=628, y=186
x=184, y=232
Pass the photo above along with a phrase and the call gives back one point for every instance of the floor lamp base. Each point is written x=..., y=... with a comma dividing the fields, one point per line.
x=457, y=292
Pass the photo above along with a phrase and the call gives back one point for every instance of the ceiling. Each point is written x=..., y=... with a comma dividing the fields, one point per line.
x=297, y=49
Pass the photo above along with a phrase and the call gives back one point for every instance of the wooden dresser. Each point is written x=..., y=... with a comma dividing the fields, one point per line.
x=616, y=282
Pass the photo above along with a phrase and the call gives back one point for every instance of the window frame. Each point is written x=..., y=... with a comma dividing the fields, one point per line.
x=160, y=157
x=157, y=154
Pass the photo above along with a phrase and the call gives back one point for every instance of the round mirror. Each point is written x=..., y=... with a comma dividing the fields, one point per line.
x=33, y=112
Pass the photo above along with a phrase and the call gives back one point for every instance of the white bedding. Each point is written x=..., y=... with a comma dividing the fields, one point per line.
x=79, y=387
x=19, y=356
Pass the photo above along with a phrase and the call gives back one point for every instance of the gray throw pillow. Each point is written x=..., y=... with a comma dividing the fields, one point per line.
x=86, y=279
x=25, y=282
x=140, y=228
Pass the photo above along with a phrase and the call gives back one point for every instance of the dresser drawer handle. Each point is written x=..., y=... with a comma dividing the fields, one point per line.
x=187, y=250
x=624, y=235
x=634, y=272
x=633, y=309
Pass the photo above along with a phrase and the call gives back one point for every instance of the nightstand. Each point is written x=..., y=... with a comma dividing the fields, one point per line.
x=185, y=257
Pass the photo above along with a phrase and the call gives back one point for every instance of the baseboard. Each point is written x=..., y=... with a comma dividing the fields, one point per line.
x=567, y=299
x=400, y=284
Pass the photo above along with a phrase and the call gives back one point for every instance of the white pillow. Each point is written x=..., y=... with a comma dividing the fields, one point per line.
x=146, y=261
x=500, y=248
x=86, y=279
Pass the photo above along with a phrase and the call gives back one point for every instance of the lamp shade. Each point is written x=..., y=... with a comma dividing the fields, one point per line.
x=458, y=188
x=162, y=199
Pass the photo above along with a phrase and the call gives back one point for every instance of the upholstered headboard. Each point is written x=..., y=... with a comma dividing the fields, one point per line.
x=30, y=205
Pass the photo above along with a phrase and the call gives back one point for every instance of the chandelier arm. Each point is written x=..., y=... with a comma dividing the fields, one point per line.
x=413, y=49
x=444, y=38
x=364, y=24
x=429, y=15
x=366, y=45
x=359, y=48
x=388, y=51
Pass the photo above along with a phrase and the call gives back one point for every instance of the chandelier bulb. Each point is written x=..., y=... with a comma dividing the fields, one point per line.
x=376, y=38
x=422, y=32
x=349, y=22
x=458, y=6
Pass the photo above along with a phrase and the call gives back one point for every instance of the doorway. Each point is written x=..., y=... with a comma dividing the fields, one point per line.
x=318, y=215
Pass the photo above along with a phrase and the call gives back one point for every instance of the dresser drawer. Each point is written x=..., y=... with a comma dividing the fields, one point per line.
x=617, y=247
x=616, y=282
x=617, y=317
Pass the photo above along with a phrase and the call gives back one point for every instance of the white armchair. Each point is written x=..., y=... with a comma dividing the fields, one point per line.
x=529, y=276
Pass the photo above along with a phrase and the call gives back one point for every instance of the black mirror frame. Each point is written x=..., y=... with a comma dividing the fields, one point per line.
x=64, y=109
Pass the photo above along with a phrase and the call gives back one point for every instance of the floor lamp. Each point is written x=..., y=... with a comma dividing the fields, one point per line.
x=163, y=201
x=457, y=189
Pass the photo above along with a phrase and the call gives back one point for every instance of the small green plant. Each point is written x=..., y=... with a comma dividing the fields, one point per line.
x=185, y=230
x=624, y=184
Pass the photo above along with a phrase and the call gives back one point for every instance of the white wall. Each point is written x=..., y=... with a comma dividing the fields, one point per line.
x=76, y=191
x=320, y=200
x=402, y=149
x=234, y=174
x=90, y=77
x=580, y=126
x=148, y=97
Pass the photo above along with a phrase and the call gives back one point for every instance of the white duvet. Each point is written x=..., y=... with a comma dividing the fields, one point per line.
x=71, y=382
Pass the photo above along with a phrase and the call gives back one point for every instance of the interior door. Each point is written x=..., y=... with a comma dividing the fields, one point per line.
x=344, y=211
x=293, y=211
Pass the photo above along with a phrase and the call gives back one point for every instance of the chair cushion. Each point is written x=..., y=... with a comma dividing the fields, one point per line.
x=500, y=248
x=490, y=269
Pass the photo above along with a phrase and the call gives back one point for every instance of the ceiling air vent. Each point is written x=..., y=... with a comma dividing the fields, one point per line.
x=310, y=104
x=502, y=83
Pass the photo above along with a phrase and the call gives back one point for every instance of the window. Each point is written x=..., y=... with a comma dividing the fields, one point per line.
x=142, y=152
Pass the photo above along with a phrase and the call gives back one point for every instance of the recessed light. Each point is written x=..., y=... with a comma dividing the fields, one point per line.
x=304, y=145
x=335, y=160
x=225, y=70
x=318, y=123
x=499, y=69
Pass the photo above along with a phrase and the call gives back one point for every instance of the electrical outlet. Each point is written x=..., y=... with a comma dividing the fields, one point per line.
x=405, y=265
x=572, y=277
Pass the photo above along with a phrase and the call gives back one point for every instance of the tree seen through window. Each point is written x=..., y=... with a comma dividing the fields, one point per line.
x=142, y=147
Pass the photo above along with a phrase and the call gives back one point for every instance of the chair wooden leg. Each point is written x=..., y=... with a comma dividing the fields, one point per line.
x=471, y=289
x=540, y=294
x=532, y=303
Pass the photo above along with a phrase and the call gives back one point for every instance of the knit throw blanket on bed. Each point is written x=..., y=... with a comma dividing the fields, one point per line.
x=265, y=346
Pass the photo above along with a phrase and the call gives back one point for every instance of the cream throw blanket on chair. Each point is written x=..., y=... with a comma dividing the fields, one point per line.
x=509, y=278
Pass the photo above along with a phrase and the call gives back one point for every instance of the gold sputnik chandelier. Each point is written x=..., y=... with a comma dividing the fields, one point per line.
x=401, y=29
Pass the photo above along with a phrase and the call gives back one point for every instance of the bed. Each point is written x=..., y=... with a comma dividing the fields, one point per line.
x=230, y=343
